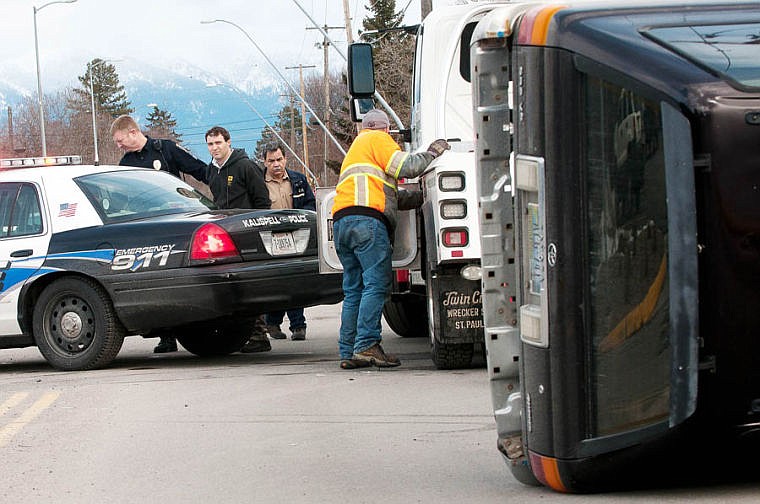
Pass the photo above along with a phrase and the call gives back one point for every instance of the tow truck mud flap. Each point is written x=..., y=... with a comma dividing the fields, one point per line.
x=459, y=317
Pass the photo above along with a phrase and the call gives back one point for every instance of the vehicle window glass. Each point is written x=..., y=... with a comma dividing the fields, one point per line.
x=136, y=194
x=8, y=192
x=627, y=277
x=457, y=99
x=464, y=50
x=728, y=50
x=26, y=218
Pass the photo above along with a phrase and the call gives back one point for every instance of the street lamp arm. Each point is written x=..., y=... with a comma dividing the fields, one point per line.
x=292, y=89
x=37, y=9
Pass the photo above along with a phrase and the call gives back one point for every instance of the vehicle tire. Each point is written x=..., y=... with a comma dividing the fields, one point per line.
x=407, y=318
x=214, y=339
x=75, y=325
x=451, y=355
x=445, y=355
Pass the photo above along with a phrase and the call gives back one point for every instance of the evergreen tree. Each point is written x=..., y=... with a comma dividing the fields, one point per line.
x=108, y=92
x=287, y=125
x=393, y=53
x=385, y=15
x=161, y=124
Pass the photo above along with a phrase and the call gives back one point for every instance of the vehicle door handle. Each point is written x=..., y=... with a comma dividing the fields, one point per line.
x=22, y=253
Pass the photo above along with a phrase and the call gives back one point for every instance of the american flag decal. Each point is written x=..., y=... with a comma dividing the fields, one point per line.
x=67, y=210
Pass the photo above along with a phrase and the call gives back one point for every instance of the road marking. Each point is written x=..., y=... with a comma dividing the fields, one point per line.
x=13, y=427
x=12, y=401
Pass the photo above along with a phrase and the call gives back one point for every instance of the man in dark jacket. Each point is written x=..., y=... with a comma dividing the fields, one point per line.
x=237, y=182
x=287, y=189
x=142, y=151
x=145, y=152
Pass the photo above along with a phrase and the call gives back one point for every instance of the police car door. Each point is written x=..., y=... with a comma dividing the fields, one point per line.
x=405, y=248
x=24, y=238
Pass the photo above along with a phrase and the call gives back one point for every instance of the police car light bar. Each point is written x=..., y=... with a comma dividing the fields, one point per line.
x=40, y=161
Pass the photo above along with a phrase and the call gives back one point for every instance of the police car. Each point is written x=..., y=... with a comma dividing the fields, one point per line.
x=91, y=254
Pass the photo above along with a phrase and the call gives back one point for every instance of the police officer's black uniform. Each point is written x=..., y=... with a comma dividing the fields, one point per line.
x=168, y=156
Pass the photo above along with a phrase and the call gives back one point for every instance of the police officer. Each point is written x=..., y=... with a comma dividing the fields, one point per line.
x=145, y=152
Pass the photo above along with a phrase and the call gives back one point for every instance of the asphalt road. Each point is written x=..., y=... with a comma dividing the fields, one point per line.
x=284, y=426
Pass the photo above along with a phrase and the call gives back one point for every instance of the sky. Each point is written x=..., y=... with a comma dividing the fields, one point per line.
x=141, y=36
x=170, y=31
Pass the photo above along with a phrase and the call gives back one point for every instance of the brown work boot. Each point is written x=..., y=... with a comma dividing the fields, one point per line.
x=299, y=334
x=275, y=332
x=256, y=345
x=377, y=357
x=353, y=364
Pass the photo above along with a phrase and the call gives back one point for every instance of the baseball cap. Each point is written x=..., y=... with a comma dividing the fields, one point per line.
x=375, y=119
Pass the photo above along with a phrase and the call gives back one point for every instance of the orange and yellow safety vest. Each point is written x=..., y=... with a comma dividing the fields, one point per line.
x=368, y=182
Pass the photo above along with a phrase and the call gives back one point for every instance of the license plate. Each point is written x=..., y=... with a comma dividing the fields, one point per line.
x=282, y=243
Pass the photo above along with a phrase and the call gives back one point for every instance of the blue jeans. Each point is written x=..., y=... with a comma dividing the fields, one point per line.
x=295, y=316
x=365, y=251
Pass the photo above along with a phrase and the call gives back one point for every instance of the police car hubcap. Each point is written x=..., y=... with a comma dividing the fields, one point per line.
x=71, y=325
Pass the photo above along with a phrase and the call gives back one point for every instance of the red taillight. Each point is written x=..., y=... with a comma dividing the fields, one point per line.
x=402, y=276
x=455, y=237
x=211, y=242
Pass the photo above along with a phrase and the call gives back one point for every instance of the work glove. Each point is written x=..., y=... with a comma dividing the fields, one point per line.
x=438, y=147
x=409, y=200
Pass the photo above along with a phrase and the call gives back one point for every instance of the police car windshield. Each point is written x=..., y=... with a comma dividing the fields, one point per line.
x=136, y=194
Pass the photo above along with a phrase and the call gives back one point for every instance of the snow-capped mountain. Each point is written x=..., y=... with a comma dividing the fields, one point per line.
x=196, y=98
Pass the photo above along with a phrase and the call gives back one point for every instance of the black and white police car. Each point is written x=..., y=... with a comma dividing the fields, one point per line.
x=91, y=254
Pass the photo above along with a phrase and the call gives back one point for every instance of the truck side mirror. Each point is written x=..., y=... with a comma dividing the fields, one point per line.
x=359, y=107
x=361, y=70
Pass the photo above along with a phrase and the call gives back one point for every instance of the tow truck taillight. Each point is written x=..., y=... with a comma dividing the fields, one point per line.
x=211, y=243
x=451, y=182
x=453, y=209
x=455, y=237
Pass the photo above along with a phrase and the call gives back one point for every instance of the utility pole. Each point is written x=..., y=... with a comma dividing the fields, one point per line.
x=377, y=95
x=292, y=119
x=326, y=52
x=292, y=100
x=347, y=17
x=11, y=143
x=303, y=111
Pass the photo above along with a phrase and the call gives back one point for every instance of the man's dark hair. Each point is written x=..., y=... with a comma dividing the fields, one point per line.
x=218, y=130
x=272, y=146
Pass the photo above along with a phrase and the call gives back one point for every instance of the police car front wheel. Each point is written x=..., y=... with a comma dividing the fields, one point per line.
x=75, y=326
